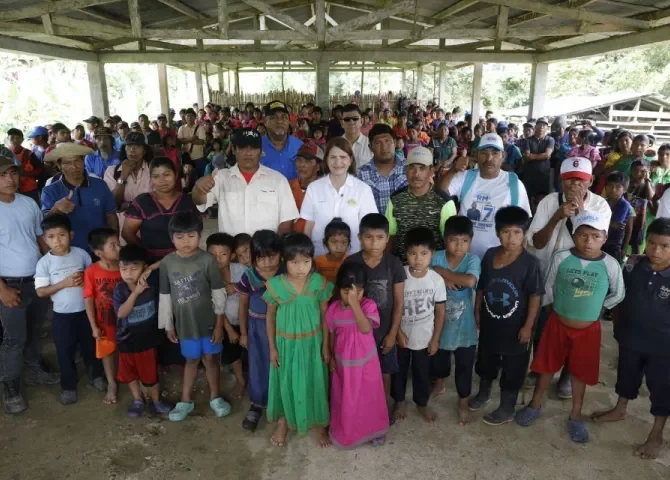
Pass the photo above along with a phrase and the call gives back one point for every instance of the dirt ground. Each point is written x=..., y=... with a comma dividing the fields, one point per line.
x=91, y=441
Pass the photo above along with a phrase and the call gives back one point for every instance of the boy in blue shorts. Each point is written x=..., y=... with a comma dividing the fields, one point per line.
x=191, y=289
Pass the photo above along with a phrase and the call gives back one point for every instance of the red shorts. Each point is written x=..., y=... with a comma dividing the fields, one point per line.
x=140, y=366
x=579, y=346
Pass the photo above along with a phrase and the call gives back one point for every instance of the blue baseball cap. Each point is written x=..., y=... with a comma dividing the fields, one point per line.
x=39, y=132
x=503, y=124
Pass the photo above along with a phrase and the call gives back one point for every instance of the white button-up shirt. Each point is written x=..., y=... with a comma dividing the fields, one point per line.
x=362, y=152
x=561, y=238
x=323, y=202
x=263, y=203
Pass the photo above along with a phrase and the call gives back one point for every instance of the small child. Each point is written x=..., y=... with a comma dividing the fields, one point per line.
x=506, y=308
x=134, y=302
x=319, y=139
x=623, y=216
x=336, y=238
x=243, y=249
x=298, y=336
x=579, y=283
x=192, y=290
x=265, y=254
x=399, y=149
x=221, y=247
x=60, y=275
x=100, y=279
x=358, y=412
x=422, y=322
x=642, y=328
x=640, y=195
x=460, y=270
x=385, y=286
x=586, y=147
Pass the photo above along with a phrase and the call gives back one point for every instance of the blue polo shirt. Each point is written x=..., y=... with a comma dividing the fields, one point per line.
x=95, y=164
x=93, y=201
x=283, y=161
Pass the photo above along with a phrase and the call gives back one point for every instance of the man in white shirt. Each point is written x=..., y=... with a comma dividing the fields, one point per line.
x=485, y=190
x=351, y=119
x=251, y=196
x=191, y=137
x=664, y=205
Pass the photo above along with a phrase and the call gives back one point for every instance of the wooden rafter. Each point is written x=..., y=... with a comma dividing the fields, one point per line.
x=530, y=16
x=14, y=13
x=135, y=20
x=501, y=26
x=222, y=16
x=183, y=8
x=281, y=17
x=454, y=9
x=372, y=18
x=102, y=16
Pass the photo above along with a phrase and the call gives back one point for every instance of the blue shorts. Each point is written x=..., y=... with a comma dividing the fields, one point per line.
x=194, y=348
x=388, y=361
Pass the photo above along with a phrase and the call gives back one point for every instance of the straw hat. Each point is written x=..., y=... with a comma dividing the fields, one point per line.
x=67, y=149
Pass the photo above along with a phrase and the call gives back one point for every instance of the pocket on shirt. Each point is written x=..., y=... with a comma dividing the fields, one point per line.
x=233, y=198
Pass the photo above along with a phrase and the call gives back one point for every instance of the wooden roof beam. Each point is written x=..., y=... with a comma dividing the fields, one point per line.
x=454, y=9
x=135, y=20
x=530, y=16
x=373, y=18
x=222, y=16
x=13, y=13
x=183, y=8
x=281, y=17
x=501, y=26
x=99, y=15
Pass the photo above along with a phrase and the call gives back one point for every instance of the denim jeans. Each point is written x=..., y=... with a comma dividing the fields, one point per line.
x=21, y=328
x=72, y=331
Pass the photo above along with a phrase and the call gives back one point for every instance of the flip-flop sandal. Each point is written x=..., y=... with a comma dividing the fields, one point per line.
x=251, y=420
x=441, y=392
x=578, y=431
x=527, y=416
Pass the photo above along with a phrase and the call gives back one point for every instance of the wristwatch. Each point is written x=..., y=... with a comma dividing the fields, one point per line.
x=121, y=181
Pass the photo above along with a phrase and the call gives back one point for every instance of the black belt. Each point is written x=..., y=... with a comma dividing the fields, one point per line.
x=19, y=280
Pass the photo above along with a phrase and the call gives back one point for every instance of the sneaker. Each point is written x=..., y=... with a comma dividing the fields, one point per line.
x=161, y=408
x=220, y=406
x=136, y=409
x=100, y=384
x=181, y=411
x=14, y=401
x=37, y=376
x=68, y=397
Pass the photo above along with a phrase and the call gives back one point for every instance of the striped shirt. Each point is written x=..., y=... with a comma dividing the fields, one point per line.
x=383, y=187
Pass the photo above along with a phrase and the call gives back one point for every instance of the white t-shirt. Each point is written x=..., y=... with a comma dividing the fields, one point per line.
x=52, y=269
x=561, y=238
x=664, y=205
x=421, y=296
x=233, y=301
x=19, y=228
x=482, y=202
x=322, y=203
x=362, y=152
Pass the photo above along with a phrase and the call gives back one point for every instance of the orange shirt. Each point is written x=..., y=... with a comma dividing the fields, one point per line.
x=327, y=268
x=99, y=284
x=299, y=196
x=31, y=169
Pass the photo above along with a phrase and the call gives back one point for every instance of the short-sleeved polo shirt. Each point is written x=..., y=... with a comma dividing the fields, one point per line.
x=95, y=164
x=20, y=222
x=282, y=161
x=263, y=203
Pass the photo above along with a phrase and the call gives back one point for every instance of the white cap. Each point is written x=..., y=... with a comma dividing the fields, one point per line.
x=420, y=155
x=576, y=167
x=491, y=140
x=592, y=219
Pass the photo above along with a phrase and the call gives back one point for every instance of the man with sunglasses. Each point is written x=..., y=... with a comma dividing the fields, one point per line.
x=351, y=119
x=279, y=148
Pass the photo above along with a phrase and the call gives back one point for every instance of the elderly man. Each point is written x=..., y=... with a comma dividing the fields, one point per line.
x=106, y=156
x=483, y=191
x=279, y=148
x=86, y=200
x=251, y=196
x=537, y=165
x=192, y=137
x=351, y=119
x=22, y=312
x=385, y=173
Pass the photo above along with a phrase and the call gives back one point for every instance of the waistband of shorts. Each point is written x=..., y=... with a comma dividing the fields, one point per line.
x=563, y=325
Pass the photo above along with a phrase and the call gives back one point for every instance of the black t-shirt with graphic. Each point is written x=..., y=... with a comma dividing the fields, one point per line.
x=505, y=304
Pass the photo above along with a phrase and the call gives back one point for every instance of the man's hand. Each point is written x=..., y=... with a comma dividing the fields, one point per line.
x=9, y=297
x=206, y=183
x=127, y=168
x=524, y=335
x=568, y=209
x=172, y=336
x=65, y=205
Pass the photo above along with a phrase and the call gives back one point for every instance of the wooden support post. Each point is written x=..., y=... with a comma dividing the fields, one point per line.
x=222, y=13
x=220, y=78
x=323, y=83
x=477, y=93
x=198, y=86
x=163, y=88
x=237, y=82
x=362, y=78
x=97, y=87
x=501, y=26
x=442, y=99
x=419, y=84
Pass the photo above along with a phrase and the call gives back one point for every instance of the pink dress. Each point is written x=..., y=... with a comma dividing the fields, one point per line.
x=358, y=412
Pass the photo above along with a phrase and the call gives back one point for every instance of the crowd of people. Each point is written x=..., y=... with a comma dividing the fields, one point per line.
x=350, y=251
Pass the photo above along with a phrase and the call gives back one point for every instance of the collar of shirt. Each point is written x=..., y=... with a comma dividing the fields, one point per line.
x=349, y=182
x=646, y=265
x=69, y=186
x=371, y=169
x=261, y=172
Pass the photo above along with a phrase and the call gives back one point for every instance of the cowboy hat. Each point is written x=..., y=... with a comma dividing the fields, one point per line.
x=67, y=149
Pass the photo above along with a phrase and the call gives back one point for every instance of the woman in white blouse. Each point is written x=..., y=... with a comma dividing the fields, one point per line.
x=337, y=194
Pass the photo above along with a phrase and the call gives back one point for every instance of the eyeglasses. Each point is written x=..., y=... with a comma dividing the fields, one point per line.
x=350, y=119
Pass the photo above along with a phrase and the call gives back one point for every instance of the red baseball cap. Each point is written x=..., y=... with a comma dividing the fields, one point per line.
x=310, y=151
x=576, y=167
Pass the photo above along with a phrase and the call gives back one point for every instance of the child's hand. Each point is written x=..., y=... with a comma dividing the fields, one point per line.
x=217, y=335
x=451, y=286
x=75, y=280
x=244, y=340
x=524, y=335
x=325, y=354
x=230, y=288
x=145, y=276
x=388, y=343
x=98, y=333
x=141, y=286
x=332, y=364
x=402, y=339
x=274, y=357
x=172, y=336
x=233, y=336
x=352, y=295
x=433, y=346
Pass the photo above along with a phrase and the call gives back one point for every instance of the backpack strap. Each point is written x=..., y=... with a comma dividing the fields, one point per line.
x=514, y=188
x=470, y=177
x=568, y=221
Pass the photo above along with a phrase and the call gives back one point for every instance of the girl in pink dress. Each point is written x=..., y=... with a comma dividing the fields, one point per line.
x=358, y=412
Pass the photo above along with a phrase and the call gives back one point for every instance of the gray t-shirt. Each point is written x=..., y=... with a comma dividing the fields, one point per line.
x=189, y=282
x=19, y=228
x=52, y=269
x=537, y=146
x=233, y=301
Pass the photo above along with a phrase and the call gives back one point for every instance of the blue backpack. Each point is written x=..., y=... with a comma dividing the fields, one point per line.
x=471, y=176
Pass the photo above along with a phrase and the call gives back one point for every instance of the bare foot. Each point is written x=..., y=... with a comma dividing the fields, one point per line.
x=613, y=415
x=279, y=436
x=650, y=449
x=323, y=438
x=400, y=411
x=110, y=396
x=238, y=391
x=429, y=415
x=438, y=388
x=464, y=413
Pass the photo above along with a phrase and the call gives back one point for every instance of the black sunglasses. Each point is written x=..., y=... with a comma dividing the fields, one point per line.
x=350, y=119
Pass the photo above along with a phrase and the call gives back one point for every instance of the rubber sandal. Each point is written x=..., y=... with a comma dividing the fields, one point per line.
x=499, y=416
x=161, y=408
x=527, y=416
x=220, y=406
x=378, y=442
x=136, y=409
x=251, y=420
x=181, y=411
x=578, y=431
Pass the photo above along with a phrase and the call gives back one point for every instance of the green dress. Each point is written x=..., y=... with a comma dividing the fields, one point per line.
x=299, y=387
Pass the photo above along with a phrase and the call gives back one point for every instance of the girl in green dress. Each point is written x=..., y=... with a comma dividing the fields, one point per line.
x=299, y=348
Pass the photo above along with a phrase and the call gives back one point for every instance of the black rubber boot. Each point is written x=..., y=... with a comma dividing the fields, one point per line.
x=483, y=396
x=505, y=412
x=14, y=401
